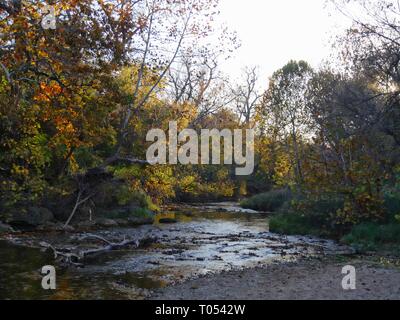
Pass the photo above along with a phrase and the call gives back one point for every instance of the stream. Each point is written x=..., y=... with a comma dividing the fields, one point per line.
x=205, y=239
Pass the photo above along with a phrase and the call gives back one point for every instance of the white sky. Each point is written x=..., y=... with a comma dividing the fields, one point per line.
x=274, y=31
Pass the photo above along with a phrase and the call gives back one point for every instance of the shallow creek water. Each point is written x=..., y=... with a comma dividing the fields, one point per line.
x=206, y=239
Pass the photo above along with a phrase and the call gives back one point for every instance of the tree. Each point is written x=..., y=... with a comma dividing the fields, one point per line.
x=246, y=96
x=284, y=107
x=66, y=115
x=200, y=84
x=372, y=48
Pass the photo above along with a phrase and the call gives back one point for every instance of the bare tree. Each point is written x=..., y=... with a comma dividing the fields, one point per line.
x=171, y=30
x=372, y=49
x=247, y=95
x=200, y=83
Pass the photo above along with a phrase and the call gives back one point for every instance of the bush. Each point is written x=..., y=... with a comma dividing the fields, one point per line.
x=392, y=206
x=370, y=236
x=117, y=194
x=269, y=202
x=308, y=216
x=124, y=214
x=327, y=205
x=135, y=198
x=293, y=224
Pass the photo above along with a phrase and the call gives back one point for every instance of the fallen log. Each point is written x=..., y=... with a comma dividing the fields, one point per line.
x=69, y=257
x=110, y=247
x=64, y=257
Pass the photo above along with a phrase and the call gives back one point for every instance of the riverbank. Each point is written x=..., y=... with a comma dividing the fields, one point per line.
x=294, y=214
x=378, y=278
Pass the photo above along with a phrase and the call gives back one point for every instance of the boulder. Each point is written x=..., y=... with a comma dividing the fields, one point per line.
x=5, y=228
x=51, y=226
x=106, y=223
x=168, y=220
x=87, y=224
x=139, y=221
x=34, y=217
x=122, y=222
x=68, y=229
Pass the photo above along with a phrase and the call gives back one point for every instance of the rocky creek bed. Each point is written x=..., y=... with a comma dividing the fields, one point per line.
x=194, y=243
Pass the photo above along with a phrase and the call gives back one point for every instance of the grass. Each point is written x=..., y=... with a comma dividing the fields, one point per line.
x=374, y=237
x=268, y=202
x=293, y=224
x=316, y=217
x=364, y=237
x=392, y=206
x=307, y=217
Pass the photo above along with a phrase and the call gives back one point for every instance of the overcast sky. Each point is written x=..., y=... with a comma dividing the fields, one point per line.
x=274, y=31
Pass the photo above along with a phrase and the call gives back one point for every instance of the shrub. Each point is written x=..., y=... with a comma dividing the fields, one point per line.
x=269, y=202
x=326, y=205
x=292, y=224
x=392, y=206
x=311, y=216
x=126, y=196
x=117, y=194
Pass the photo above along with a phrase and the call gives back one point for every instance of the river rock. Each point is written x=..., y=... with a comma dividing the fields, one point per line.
x=107, y=223
x=87, y=224
x=58, y=226
x=68, y=229
x=139, y=221
x=35, y=217
x=50, y=226
x=5, y=228
x=122, y=222
x=168, y=221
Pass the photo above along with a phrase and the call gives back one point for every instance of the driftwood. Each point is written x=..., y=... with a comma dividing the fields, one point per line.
x=110, y=246
x=62, y=256
x=69, y=257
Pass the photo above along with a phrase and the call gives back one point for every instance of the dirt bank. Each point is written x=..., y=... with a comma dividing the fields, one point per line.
x=377, y=278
